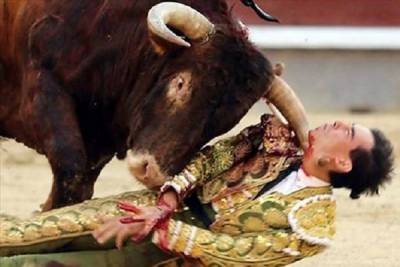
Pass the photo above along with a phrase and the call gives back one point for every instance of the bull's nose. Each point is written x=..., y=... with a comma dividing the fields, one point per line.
x=145, y=169
x=137, y=167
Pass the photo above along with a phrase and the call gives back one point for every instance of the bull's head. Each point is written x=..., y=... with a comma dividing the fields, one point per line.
x=203, y=91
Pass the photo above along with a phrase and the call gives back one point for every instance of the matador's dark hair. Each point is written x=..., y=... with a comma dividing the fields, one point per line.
x=371, y=168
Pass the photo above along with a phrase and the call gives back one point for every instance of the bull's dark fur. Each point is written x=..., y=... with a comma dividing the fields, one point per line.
x=80, y=82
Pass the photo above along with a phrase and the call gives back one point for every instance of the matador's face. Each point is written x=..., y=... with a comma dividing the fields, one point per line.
x=335, y=141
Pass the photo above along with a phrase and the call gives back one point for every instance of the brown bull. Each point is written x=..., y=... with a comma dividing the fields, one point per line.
x=84, y=80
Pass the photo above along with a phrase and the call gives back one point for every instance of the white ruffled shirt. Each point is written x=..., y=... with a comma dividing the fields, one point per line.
x=295, y=181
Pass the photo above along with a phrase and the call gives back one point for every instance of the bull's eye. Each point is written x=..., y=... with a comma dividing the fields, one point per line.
x=180, y=83
x=179, y=89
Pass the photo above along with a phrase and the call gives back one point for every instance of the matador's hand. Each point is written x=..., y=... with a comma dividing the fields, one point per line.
x=116, y=228
x=136, y=227
x=150, y=216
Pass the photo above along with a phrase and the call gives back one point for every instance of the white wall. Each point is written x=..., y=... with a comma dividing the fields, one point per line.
x=337, y=68
x=343, y=79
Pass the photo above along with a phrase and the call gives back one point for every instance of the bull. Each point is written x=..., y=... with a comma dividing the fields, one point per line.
x=84, y=80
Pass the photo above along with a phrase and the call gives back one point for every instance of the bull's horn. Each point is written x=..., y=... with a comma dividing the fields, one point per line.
x=284, y=98
x=190, y=22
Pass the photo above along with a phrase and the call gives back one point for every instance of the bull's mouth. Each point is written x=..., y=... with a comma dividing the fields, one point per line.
x=144, y=167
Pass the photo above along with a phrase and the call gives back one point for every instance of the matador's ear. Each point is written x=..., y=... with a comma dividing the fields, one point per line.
x=343, y=165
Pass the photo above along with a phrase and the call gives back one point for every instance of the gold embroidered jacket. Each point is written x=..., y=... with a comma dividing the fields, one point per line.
x=269, y=230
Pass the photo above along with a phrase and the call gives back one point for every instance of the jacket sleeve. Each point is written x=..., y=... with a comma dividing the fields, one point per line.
x=270, y=248
x=214, y=160
x=310, y=229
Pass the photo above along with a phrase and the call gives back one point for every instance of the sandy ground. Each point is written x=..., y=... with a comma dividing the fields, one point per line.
x=368, y=230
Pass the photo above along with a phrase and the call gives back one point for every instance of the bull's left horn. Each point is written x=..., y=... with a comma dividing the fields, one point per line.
x=284, y=98
x=189, y=21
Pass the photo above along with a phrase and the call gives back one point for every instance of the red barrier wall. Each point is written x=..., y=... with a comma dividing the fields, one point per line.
x=325, y=12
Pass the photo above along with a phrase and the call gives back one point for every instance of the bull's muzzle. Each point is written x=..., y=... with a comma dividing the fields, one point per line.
x=145, y=169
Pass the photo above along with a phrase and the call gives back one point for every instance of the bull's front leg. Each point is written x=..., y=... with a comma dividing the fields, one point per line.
x=59, y=137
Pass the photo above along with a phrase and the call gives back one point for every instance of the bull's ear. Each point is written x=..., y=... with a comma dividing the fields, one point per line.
x=180, y=89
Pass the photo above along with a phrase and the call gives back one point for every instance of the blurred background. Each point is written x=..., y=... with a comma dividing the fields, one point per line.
x=343, y=59
x=340, y=55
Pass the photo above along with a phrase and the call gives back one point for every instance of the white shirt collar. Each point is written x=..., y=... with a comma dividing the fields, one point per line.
x=295, y=181
x=303, y=180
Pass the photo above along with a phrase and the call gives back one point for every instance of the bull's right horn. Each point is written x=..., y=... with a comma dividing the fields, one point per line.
x=189, y=21
x=283, y=97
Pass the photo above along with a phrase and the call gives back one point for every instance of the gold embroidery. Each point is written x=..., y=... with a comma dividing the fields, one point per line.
x=313, y=219
x=78, y=219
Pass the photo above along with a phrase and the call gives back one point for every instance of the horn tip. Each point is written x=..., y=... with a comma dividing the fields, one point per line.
x=186, y=44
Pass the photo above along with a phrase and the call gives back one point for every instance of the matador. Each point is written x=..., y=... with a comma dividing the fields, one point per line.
x=247, y=200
